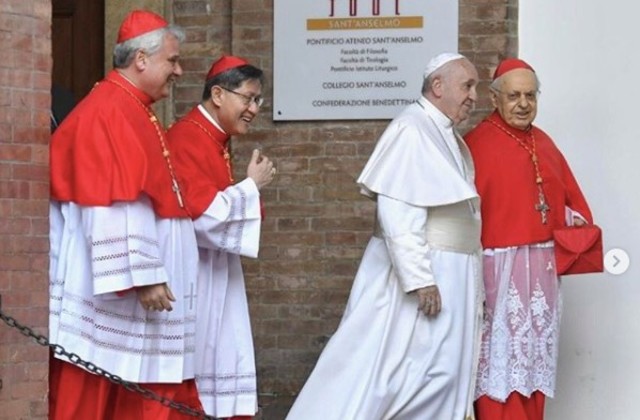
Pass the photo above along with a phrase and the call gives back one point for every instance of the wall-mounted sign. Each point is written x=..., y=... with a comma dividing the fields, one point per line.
x=355, y=59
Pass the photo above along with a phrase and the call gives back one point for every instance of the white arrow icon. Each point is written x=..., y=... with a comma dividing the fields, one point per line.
x=616, y=261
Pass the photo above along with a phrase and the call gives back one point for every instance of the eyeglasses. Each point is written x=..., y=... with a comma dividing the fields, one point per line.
x=248, y=100
x=530, y=97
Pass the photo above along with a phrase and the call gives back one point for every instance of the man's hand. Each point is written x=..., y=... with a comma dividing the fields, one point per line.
x=260, y=169
x=430, y=303
x=156, y=297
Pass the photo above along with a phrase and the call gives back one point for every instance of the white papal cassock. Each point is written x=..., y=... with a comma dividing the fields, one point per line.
x=387, y=360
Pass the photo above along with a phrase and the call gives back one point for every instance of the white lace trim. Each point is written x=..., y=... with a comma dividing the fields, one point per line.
x=519, y=350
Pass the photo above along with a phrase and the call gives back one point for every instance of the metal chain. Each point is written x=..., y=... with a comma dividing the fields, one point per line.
x=75, y=359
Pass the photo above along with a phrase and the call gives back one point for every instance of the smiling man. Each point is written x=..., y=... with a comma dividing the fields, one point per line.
x=123, y=250
x=527, y=190
x=227, y=219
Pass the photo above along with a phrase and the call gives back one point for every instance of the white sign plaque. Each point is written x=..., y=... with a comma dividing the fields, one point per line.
x=355, y=59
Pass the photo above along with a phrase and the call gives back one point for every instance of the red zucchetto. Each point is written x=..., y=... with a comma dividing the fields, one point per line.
x=139, y=22
x=509, y=64
x=225, y=63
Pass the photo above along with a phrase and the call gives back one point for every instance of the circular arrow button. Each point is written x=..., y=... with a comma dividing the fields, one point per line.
x=616, y=261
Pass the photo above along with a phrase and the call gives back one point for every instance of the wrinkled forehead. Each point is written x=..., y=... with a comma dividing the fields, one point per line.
x=521, y=80
x=464, y=71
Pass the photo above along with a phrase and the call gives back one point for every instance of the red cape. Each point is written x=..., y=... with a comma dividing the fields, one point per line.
x=198, y=155
x=107, y=150
x=505, y=179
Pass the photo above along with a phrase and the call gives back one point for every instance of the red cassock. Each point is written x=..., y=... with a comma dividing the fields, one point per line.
x=505, y=180
x=102, y=400
x=204, y=167
x=203, y=170
x=517, y=407
x=108, y=150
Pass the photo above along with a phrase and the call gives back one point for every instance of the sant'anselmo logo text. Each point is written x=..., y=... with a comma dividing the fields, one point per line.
x=366, y=40
x=387, y=84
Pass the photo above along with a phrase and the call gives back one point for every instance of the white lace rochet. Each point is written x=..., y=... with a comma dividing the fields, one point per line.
x=519, y=350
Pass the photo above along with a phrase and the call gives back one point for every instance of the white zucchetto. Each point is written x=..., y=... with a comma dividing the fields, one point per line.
x=440, y=60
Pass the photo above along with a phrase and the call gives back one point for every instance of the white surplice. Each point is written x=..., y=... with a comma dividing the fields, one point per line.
x=98, y=251
x=387, y=360
x=521, y=329
x=519, y=349
x=225, y=361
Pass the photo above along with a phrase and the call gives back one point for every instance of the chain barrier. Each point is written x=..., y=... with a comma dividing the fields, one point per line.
x=75, y=359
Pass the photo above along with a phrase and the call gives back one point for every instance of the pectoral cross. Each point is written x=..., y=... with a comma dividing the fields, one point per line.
x=176, y=189
x=542, y=207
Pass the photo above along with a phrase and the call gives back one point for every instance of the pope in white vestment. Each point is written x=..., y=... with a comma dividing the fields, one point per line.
x=387, y=359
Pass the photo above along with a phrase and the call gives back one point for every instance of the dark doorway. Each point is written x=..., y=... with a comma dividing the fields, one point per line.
x=77, y=37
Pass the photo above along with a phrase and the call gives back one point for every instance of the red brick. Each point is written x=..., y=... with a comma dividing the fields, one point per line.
x=30, y=173
x=38, y=371
x=15, y=153
x=15, y=409
x=30, y=244
x=40, y=154
x=39, y=190
x=295, y=194
x=317, y=222
x=15, y=189
x=299, y=149
x=30, y=208
x=23, y=282
x=41, y=80
x=30, y=135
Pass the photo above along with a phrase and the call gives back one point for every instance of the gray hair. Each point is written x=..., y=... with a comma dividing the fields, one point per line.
x=426, y=83
x=438, y=73
x=150, y=43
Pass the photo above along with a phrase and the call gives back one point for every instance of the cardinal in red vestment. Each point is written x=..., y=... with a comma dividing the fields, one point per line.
x=527, y=190
x=227, y=218
x=123, y=250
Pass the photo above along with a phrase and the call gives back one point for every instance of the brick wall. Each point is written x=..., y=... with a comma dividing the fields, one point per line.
x=25, y=78
x=317, y=224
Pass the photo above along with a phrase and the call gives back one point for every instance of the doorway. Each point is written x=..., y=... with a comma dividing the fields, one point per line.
x=77, y=38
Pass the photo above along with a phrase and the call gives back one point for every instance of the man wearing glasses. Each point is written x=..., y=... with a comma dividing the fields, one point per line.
x=527, y=190
x=227, y=218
